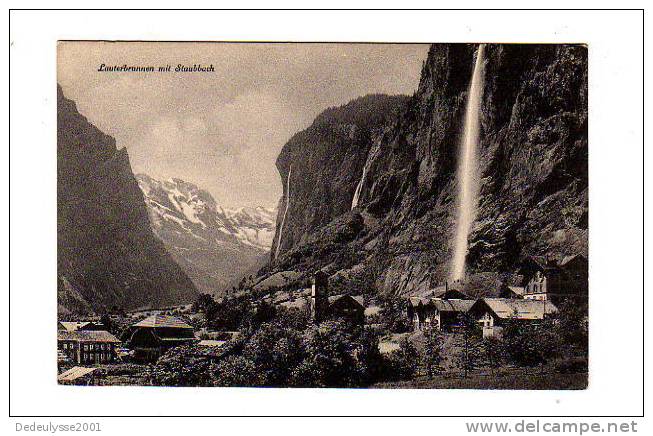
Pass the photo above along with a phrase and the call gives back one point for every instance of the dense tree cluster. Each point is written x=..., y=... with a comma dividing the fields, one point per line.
x=280, y=347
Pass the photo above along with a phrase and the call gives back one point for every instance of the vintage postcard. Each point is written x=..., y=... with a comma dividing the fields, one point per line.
x=322, y=215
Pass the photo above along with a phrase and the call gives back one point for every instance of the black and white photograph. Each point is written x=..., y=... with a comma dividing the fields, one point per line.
x=329, y=220
x=322, y=215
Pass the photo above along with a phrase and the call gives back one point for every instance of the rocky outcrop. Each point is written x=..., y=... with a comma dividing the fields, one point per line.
x=533, y=172
x=327, y=163
x=108, y=256
x=215, y=246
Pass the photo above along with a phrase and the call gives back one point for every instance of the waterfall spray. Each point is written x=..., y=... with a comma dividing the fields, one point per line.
x=285, y=212
x=359, y=187
x=468, y=168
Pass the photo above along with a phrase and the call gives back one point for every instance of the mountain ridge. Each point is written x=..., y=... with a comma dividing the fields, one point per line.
x=107, y=256
x=216, y=246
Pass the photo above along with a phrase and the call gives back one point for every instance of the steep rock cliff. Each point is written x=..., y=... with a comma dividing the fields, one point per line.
x=327, y=159
x=533, y=172
x=107, y=254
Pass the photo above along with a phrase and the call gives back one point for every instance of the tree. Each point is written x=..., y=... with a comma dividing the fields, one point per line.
x=330, y=357
x=468, y=356
x=108, y=323
x=530, y=344
x=432, y=353
x=275, y=351
x=370, y=363
x=237, y=371
x=204, y=303
x=404, y=361
x=264, y=312
x=182, y=366
x=493, y=353
x=393, y=313
x=230, y=314
x=572, y=327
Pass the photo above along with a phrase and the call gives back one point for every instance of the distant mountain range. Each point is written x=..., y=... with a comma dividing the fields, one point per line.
x=215, y=246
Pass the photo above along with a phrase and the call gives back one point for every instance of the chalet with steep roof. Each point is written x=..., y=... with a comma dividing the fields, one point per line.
x=154, y=335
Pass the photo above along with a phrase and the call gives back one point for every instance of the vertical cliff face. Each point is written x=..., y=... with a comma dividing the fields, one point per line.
x=327, y=163
x=107, y=254
x=532, y=170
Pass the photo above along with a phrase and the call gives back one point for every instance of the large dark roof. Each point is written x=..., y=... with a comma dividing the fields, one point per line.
x=86, y=336
x=452, y=305
x=163, y=321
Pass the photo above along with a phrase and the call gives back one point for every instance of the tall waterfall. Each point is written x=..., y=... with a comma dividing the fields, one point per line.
x=468, y=169
x=285, y=212
x=371, y=156
x=359, y=187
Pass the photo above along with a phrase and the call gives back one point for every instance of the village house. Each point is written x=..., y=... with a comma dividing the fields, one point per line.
x=323, y=307
x=544, y=279
x=439, y=307
x=154, y=335
x=493, y=313
x=87, y=346
x=437, y=313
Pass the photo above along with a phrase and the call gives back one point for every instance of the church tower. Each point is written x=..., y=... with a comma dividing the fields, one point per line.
x=319, y=301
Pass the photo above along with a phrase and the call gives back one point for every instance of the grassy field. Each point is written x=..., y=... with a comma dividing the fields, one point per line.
x=513, y=378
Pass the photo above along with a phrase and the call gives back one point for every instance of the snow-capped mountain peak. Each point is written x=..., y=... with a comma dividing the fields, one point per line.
x=215, y=245
x=195, y=211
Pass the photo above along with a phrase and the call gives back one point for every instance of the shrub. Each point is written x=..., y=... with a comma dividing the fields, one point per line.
x=182, y=366
x=237, y=371
x=403, y=362
x=572, y=366
x=531, y=344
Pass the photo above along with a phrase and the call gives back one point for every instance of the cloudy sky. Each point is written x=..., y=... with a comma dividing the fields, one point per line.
x=224, y=130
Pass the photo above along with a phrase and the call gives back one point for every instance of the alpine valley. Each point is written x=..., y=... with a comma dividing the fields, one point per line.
x=216, y=247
